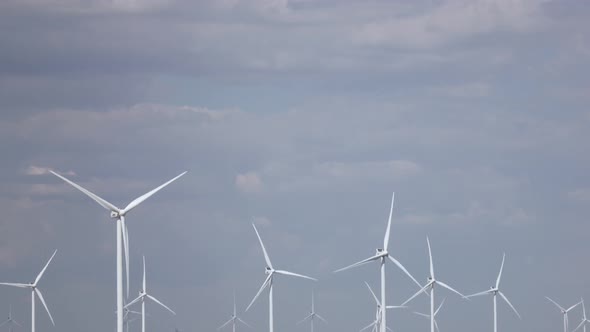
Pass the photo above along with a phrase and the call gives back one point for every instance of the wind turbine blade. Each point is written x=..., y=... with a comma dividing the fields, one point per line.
x=387, y=231
x=583, y=309
x=500, y=274
x=450, y=288
x=143, y=282
x=436, y=326
x=430, y=256
x=577, y=328
x=266, y=258
x=312, y=301
x=372, y=293
x=396, y=262
x=17, y=323
x=423, y=289
x=396, y=307
x=389, y=329
x=479, y=294
x=125, y=237
x=321, y=318
x=160, y=303
x=304, y=319
x=44, y=304
x=560, y=307
x=575, y=305
x=294, y=274
x=422, y=315
x=241, y=321
x=134, y=301
x=440, y=306
x=366, y=327
x=510, y=304
x=6, y=321
x=264, y=284
x=147, y=195
x=225, y=324
x=44, y=268
x=15, y=284
x=105, y=204
x=364, y=261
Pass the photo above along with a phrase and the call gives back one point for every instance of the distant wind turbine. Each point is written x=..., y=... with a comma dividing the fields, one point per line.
x=234, y=317
x=10, y=321
x=378, y=313
x=34, y=290
x=584, y=318
x=435, y=313
x=268, y=282
x=494, y=291
x=564, y=312
x=122, y=235
x=312, y=314
x=381, y=255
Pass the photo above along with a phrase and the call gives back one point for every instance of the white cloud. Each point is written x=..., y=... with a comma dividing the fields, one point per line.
x=249, y=182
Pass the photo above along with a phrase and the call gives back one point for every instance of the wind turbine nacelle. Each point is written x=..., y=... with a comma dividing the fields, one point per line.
x=268, y=270
x=114, y=214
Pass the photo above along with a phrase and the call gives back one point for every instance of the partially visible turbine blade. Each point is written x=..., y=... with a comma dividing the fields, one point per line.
x=266, y=258
x=125, y=237
x=577, y=328
x=6, y=321
x=396, y=307
x=17, y=323
x=389, y=329
x=364, y=261
x=422, y=315
x=15, y=284
x=418, y=292
x=396, y=262
x=304, y=319
x=436, y=326
x=137, y=299
x=366, y=327
x=560, y=307
x=439, y=306
x=44, y=268
x=225, y=324
x=105, y=204
x=241, y=321
x=44, y=304
x=387, y=231
x=510, y=304
x=160, y=303
x=450, y=288
x=147, y=195
x=430, y=256
x=264, y=284
x=372, y=293
x=500, y=274
x=575, y=305
x=294, y=274
x=479, y=294
x=321, y=318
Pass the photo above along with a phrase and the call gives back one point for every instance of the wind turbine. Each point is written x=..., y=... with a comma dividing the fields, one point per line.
x=564, y=312
x=312, y=314
x=494, y=290
x=122, y=235
x=10, y=321
x=142, y=296
x=34, y=290
x=431, y=283
x=435, y=313
x=270, y=272
x=381, y=255
x=378, y=314
x=584, y=318
x=234, y=317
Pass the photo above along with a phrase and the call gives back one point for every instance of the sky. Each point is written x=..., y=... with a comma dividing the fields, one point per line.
x=302, y=117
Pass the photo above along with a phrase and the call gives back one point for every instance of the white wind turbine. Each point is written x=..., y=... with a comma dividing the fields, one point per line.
x=143, y=294
x=312, y=314
x=378, y=313
x=584, y=318
x=431, y=283
x=10, y=321
x=564, y=312
x=268, y=282
x=234, y=317
x=494, y=291
x=381, y=255
x=435, y=313
x=122, y=235
x=34, y=290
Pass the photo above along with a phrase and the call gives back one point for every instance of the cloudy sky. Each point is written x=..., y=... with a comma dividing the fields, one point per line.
x=301, y=116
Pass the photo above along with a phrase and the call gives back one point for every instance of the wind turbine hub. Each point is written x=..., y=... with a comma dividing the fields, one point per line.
x=115, y=214
x=268, y=270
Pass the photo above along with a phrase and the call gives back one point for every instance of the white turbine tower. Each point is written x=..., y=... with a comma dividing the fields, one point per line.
x=10, y=321
x=34, y=290
x=234, y=317
x=381, y=255
x=143, y=294
x=378, y=313
x=122, y=235
x=431, y=283
x=312, y=314
x=564, y=312
x=494, y=291
x=268, y=282
x=584, y=318
x=435, y=313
